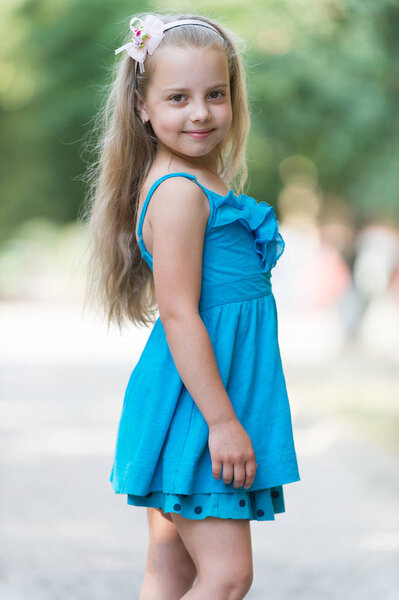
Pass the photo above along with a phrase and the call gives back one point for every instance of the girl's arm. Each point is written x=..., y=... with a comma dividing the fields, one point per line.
x=179, y=214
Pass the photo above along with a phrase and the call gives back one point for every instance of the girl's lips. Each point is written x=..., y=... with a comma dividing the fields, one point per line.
x=199, y=134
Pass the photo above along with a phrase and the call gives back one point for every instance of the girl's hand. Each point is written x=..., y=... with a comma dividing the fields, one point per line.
x=231, y=448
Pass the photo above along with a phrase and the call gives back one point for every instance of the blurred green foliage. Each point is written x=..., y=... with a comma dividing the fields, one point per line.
x=322, y=79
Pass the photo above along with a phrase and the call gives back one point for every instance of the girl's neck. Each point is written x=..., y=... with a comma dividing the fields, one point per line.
x=175, y=162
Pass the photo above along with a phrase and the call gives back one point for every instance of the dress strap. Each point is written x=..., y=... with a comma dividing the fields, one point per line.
x=146, y=255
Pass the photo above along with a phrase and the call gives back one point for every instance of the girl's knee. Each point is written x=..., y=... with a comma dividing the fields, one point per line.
x=168, y=548
x=167, y=553
x=224, y=590
x=170, y=572
x=234, y=584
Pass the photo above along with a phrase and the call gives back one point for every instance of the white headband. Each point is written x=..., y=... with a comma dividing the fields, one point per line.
x=148, y=35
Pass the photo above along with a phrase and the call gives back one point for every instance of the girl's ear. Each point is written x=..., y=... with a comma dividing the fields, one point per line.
x=140, y=107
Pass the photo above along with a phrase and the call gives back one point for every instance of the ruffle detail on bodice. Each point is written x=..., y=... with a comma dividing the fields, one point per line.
x=258, y=217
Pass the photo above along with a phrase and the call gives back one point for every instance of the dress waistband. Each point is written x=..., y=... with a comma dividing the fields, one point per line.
x=235, y=290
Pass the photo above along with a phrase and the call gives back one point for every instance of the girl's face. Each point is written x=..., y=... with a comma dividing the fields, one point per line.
x=189, y=91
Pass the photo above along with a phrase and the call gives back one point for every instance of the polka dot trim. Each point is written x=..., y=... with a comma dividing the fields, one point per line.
x=260, y=505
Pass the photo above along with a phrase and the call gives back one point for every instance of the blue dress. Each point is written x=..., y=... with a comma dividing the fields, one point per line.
x=162, y=457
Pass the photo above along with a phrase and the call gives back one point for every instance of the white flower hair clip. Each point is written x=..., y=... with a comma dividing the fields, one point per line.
x=146, y=38
x=148, y=34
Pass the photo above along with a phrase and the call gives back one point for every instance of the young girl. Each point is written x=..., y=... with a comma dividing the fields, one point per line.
x=205, y=436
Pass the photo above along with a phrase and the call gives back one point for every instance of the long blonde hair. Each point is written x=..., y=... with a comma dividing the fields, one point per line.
x=118, y=280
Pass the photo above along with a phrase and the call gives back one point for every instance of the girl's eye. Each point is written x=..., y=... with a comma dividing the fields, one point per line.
x=173, y=98
x=177, y=96
x=215, y=92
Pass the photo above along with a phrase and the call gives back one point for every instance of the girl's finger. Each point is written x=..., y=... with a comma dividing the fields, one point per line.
x=227, y=472
x=239, y=475
x=250, y=472
x=216, y=469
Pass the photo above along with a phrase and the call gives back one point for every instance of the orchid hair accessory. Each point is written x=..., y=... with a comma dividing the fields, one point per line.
x=148, y=34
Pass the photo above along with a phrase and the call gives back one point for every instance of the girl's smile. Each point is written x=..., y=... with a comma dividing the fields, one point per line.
x=200, y=133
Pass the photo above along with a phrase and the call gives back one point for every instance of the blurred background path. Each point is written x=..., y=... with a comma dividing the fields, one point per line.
x=66, y=535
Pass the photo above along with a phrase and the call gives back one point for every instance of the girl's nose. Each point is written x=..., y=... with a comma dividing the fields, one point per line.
x=200, y=111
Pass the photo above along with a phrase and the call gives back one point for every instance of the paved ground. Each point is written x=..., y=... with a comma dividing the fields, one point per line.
x=65, y=535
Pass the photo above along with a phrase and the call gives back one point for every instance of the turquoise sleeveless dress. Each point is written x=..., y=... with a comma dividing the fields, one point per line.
x=162, y=457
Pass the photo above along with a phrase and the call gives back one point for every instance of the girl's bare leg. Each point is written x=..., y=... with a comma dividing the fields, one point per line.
x=222, y=553
x=170, y=570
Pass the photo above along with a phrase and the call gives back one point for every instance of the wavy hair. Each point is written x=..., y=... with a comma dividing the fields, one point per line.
x=119, y=281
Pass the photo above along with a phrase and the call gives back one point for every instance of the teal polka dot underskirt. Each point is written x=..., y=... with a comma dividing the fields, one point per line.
x=259, y=505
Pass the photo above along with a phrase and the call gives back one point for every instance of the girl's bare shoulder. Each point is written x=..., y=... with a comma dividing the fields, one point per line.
x=178, y=196
x=180, y=186
x=177, y=199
